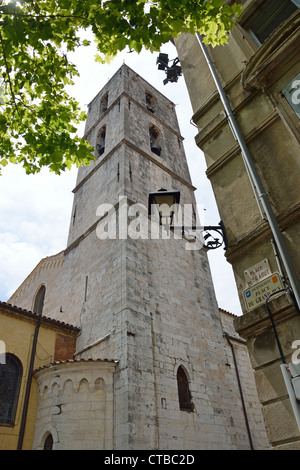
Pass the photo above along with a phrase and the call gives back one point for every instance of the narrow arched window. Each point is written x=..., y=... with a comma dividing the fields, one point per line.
x=150, y=101
x=184, y=394
x=48, y=444
x=155, y=140
x=100, y=145
x=10, y=381
x=39, y=300
x=104, y=103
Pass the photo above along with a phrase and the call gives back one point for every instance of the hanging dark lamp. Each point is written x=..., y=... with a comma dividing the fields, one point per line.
x=172, y=72
x=163, y=205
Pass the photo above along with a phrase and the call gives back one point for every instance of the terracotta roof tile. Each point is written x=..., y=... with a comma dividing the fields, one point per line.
x=31, y=314
x=73, y=361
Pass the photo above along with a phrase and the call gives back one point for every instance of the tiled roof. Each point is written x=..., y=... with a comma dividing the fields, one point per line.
x=228, y=313
x=37, y=316
x=74, y=361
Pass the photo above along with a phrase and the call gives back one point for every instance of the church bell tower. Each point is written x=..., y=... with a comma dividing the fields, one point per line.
x=152, y=367
x=145, y=301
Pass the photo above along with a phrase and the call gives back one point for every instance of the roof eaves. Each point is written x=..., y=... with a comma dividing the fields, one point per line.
x=37, y=316
x=73, y=361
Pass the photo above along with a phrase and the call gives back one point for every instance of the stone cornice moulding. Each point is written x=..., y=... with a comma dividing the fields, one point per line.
x=261, y=233
x=144, y=108
x=153, y=159
x=266, y=65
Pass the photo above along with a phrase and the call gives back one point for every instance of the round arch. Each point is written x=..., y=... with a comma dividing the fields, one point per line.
x=46, y=442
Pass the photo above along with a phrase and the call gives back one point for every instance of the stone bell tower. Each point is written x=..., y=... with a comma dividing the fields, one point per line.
x=147, y=302
x=143, y=299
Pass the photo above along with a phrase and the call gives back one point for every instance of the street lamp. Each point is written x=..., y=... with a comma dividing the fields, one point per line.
x=172, y=72
x=164, y=204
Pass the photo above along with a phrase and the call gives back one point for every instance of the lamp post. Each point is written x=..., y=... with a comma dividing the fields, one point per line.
x=164, y=204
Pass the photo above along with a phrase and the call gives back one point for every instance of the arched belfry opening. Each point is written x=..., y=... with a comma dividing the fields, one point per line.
x=155, y=139
x=104, y=103
x=100, y=145
x=150, y=101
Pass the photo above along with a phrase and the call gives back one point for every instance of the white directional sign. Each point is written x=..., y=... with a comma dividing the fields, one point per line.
x=256, y=295
x=258, y=272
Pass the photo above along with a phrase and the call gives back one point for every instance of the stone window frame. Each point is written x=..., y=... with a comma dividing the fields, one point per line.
x=183, y=386
x=256, y=22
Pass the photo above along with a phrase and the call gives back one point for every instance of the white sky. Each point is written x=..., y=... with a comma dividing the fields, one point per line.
x=35, y=210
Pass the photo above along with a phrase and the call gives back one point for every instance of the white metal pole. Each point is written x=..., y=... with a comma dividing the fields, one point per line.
x=252, y=171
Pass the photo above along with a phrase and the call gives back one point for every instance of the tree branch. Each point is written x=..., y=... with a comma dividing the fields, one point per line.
x=37, y=16
x=7, y=71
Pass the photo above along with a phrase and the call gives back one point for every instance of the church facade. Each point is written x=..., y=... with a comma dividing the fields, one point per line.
x=157, y=364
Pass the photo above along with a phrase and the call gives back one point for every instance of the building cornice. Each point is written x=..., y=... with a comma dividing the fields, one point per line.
x=9, y=309
x=235, y=149
x=213, y=99
x=144, y=108
x=112, y=363
x=141, y=152
x=262, y=233
x=257, y=321
x=267, y=64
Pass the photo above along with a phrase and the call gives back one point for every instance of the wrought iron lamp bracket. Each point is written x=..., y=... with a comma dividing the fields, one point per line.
x=211, y=241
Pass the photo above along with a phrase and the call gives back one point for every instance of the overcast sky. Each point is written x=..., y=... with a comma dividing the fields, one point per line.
x=35, y=210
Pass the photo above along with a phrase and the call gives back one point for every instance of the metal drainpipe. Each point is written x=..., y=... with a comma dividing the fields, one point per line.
x=255, y=179
x=273, y=323
x=240, y=389
x=28, y=385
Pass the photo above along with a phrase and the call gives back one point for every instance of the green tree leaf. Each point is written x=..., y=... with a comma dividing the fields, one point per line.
x=37, y=117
